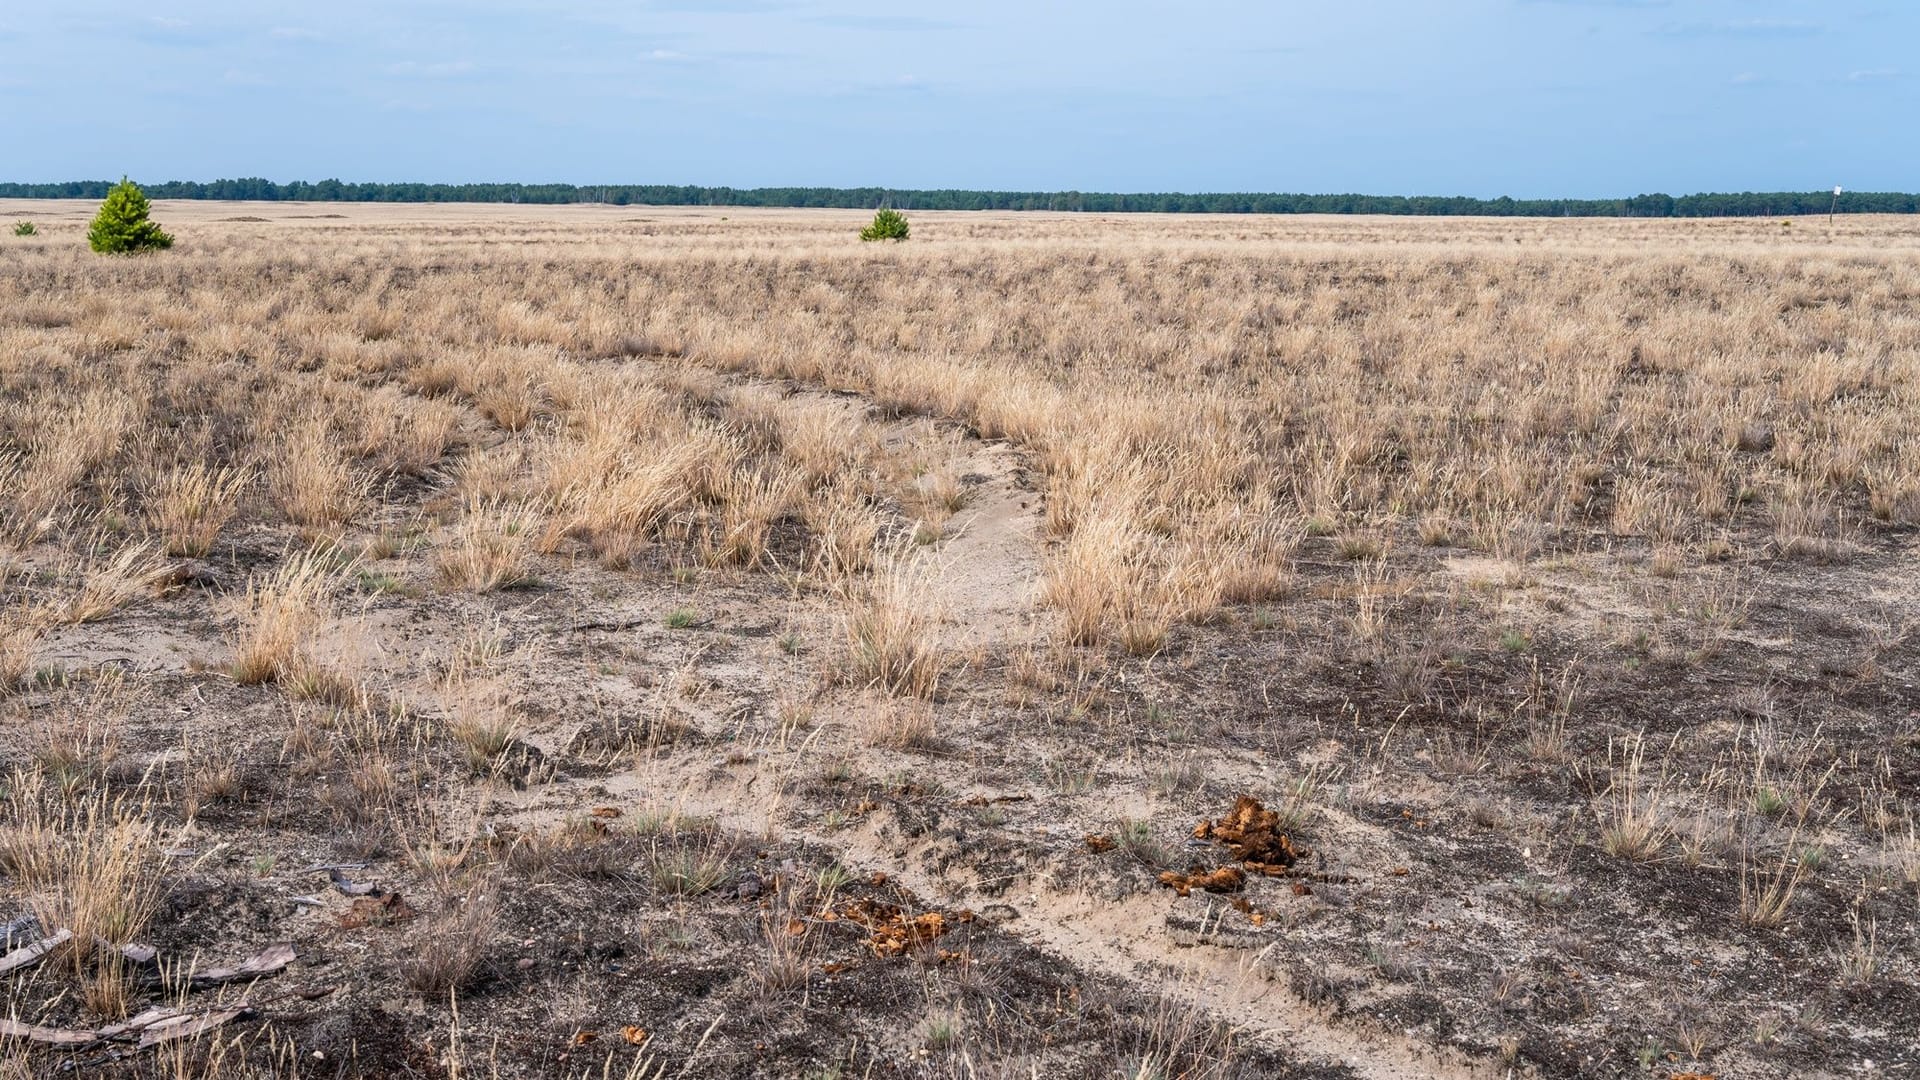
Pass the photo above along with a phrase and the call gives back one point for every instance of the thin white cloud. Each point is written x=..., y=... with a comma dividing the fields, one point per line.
x=1742, y=28
x=882, y=22
x=1873, y=75
x=445, y=69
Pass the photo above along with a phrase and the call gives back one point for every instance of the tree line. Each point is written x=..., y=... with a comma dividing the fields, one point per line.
x=1705, y=204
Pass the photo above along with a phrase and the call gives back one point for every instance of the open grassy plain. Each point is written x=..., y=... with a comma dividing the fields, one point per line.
x=612, y=641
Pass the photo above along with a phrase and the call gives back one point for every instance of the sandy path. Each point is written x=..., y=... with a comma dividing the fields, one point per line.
x=988, y=578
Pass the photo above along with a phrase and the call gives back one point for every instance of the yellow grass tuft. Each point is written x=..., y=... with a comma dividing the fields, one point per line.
x=189, y=505
x=280, y=616
x=889, y=621
x=489, y=547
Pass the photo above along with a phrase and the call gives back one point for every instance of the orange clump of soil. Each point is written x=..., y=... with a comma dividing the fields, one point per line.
x=1251, y=833
x=1225, y=879
x=890, y=931
x=377, y=911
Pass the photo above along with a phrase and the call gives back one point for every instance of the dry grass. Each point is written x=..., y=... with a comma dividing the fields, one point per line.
x=190, y=504
x=845, y=528
x=79, y=743
x=1166, y=505
x=481, y=721
x=751, y=501
x=888, y=621
x=788, y=945
x=455, y=944
x=1372, y=497
x=91, y=865
x=19, y=639
x=111, y=582
x=1637, y=825
x=1767, y=887
x=902, y=725
x=279, y=617
x=405, y=435
x=489, y=548
x=311, y=480
x=1099, y=583
x=690, y=864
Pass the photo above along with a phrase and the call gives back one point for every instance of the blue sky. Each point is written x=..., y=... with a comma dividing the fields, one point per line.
x=1479, y=97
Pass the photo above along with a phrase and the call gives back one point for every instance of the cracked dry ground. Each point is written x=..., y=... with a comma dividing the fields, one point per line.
x=636, y=809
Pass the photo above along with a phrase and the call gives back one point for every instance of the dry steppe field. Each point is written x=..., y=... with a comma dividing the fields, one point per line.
x=635, y=642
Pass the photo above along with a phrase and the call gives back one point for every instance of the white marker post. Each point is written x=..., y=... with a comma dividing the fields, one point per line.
x=1835, y=206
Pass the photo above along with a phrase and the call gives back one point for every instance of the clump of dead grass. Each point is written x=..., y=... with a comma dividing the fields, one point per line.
x=1100, y=583
x=902, y=725
x=90, y=865
x=889, y=620
x=189, y=504
x=407, y=436
x=1637, y=824
x=311, y=480
x=489, y=548
x=452, y=951
x=480, y=721
x=111, y=581
x=280, y=616
x=76, y=746
x=19, y=642
x=688, y=862
x=1767, y=886
x=751, y=502
x=844, y=528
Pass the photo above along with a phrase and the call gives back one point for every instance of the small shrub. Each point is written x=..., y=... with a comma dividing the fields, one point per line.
x=121, y=226
x=25, y=228
x=887, y=225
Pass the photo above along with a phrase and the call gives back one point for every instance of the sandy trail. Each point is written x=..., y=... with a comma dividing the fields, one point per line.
x=988, y=569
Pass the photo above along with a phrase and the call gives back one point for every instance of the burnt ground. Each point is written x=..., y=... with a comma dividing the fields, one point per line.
x=701, y=855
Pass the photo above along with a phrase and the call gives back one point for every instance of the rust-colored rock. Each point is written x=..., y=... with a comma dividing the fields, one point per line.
x=1225, y=879
x=1251, y=833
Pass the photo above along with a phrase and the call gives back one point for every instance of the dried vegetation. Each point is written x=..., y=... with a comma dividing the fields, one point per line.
x=641, y=642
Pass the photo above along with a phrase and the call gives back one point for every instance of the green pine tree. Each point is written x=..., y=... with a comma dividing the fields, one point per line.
x=122, y=225
x=887, y=225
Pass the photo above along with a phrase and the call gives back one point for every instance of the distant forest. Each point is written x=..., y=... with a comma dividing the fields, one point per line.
x=1709, y=204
